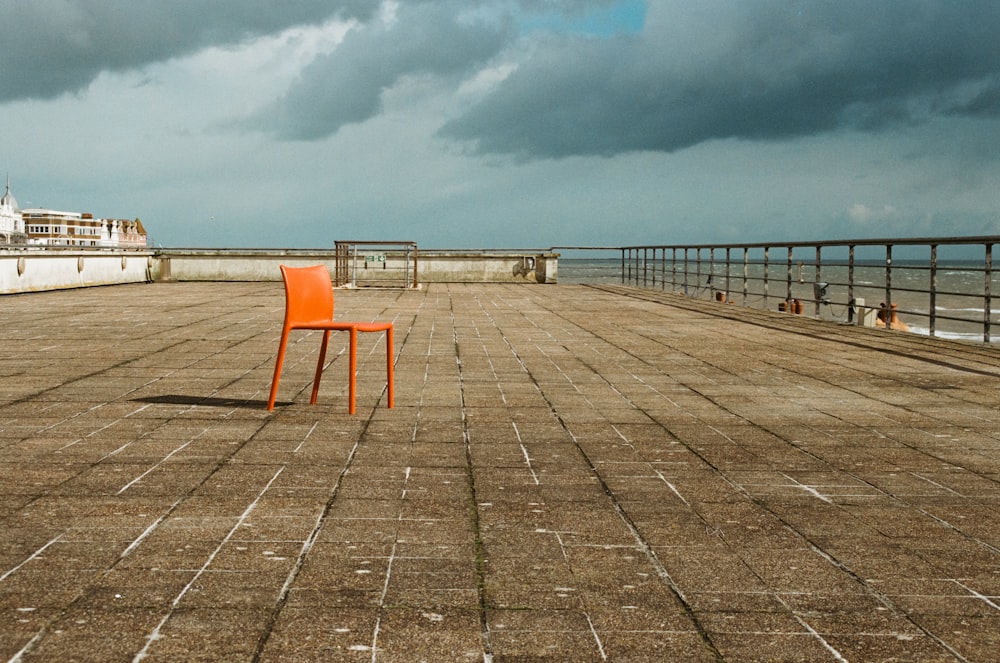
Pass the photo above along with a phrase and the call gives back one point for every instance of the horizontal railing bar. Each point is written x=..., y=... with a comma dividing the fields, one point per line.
x=909, y=241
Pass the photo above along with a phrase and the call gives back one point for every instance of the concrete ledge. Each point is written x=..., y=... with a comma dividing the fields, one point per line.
x=434, y=266
x=230, y=265
x=33, y=270
x=488, y=267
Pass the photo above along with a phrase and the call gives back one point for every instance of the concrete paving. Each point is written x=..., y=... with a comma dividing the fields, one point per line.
x=570, y=473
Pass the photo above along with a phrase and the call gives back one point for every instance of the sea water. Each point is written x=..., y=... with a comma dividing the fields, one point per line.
x=959, y=304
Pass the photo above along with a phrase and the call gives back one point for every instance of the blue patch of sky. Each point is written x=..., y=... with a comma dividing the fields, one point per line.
x=623, y=17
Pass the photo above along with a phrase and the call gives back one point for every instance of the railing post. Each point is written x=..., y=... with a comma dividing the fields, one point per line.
x=697, y=271
x=850, y=277
x=746, y=273
x=406, y=266
x=653, y=267
x=673, y=270
x=767, y=268
x=728, y=267
x=888, y=286
x=711, y=273
x=788, y=279
x=987, y=296
x=663, y=268
x=354, y=268
x=932, y=311
x=686, y=271
x=416, y=265
x=819, y=274
x=646, y=266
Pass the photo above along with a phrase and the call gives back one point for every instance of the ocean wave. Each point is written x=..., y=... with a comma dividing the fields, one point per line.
x=949, y=335
x=946, y=309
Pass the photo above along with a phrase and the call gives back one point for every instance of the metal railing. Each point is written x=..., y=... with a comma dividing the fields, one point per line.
x=936, y=286
x=376, y=261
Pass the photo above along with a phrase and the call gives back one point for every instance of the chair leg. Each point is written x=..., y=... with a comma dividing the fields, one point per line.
x=388, y=365
x=351, y=389
x=319, y=366
x=277, y=368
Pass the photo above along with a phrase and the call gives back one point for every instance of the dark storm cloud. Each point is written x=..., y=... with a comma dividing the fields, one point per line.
x=54, y=46
x=769, y=69
x=698, y=71
x=346, y=85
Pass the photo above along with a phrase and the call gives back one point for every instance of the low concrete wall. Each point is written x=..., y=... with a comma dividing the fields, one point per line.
x=31, y=270
x=432, y=266
x=488, y=267
x=34, y=270
x=229, y=265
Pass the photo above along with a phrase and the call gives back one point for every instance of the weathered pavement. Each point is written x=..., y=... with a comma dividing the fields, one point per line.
x=569, y=474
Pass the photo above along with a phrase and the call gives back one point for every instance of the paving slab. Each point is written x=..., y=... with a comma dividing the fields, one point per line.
x=570, y=473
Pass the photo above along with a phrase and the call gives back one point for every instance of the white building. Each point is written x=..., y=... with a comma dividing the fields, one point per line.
x=11, y=222
x=52, y=228
x=46, y=227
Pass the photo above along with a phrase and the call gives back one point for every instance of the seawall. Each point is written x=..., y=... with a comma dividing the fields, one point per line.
x=32, y=270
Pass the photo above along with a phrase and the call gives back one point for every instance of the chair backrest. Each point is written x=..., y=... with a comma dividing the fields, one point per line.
x=308, y=295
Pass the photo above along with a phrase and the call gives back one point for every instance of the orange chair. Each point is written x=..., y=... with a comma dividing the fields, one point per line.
x=309, y=305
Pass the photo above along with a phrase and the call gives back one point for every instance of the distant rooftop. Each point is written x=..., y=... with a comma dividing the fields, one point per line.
x=8, y=199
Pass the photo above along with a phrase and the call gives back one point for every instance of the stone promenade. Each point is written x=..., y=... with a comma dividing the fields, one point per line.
x=570, y=473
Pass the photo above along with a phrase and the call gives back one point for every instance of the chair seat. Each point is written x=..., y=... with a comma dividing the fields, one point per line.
x=372, y=326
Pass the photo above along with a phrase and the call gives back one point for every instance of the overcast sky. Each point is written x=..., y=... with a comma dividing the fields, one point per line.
x=506, y=123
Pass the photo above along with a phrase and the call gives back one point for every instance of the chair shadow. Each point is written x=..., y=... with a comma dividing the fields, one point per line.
x=180, y=399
